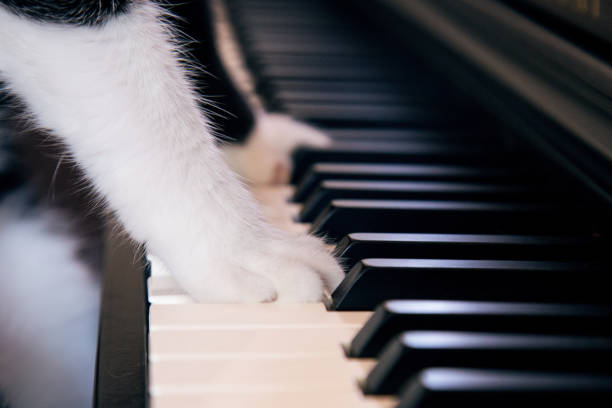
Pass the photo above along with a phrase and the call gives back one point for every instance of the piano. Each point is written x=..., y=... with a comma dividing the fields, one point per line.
x=468, y=191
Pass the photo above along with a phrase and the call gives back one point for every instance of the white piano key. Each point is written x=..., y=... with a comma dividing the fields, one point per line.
x=294, y=373
x=228, y=342
x=275, y=399
x=263, y=382
x=171, y=299
x=269, y=315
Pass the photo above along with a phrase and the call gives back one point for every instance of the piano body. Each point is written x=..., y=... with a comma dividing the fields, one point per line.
x=468, y=191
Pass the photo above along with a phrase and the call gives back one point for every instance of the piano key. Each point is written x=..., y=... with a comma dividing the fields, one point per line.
x=396, y=316
x=444, y=387
x=351, y=87
x=395, y=152
x=329, y=190
x=279, y=92
x=322, y=72
x=413, y=351
x=427, y=89
x=257, y=374
x=403, y=135
x=247, y=32
x=282, y=21
x=312, y=47
x=257, y=39
x=270, y=34
x=342, y=217
x=266, y=315
x=269, y=60
x=228, y=342
x=328, y=67
x=337, y=114
x=357, y=246
x=263, y=370
x=216, y=352
x=376, y=171
x=372, y=281
x=266, y=398
x=324, y=96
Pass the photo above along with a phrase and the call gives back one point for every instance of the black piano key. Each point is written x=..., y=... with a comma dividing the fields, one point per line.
x=307, y=47
x=247, y=21
x=267, y=60
x=305, y=84
x=324, y=96
x=409, y=135
x=375, y=171
x=324, y=67
x=396, y=152
x=322, y=72
x=273, y=89
x=299, y=36
x=396, y=316
x=463, y=387
x=372, y=281
x=368, y=114
x=330, y=190
x=317, y=67
x=413, y=351
x=357, y=246
x=309, y=90
x=342, y=217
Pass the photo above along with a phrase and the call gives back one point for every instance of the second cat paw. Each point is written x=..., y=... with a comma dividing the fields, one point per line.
x=265, y=158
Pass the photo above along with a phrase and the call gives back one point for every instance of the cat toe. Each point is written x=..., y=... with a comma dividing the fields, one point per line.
x=305, y=268
x=313, y=252
x=255, y=288
x=227, y=283
x=299, y=284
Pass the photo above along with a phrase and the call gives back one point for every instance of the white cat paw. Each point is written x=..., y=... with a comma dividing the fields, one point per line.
x=301, y=268
x=223, y=282
x=281, y=267
x=265, y=158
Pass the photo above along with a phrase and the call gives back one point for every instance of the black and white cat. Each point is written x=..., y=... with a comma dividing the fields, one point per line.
x=107, y=78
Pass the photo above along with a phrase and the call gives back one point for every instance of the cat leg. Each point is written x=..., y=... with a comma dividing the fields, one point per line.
x=48, y=312
x=120, y=99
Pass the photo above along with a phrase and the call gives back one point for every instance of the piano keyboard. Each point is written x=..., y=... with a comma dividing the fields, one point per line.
x=475, y=271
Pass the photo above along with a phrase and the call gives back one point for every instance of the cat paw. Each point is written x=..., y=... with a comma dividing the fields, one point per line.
x=226, y=282
x=265, y=158
x=281, y=267
x=301, y=268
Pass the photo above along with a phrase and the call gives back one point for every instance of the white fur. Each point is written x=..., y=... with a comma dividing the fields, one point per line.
x=265, y=158
x=48, y=312
x=119, y=98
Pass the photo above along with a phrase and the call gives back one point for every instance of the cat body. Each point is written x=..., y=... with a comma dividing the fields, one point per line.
x=108, y=80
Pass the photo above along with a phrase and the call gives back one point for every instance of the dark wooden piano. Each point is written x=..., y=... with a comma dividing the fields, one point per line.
x=468, y=191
